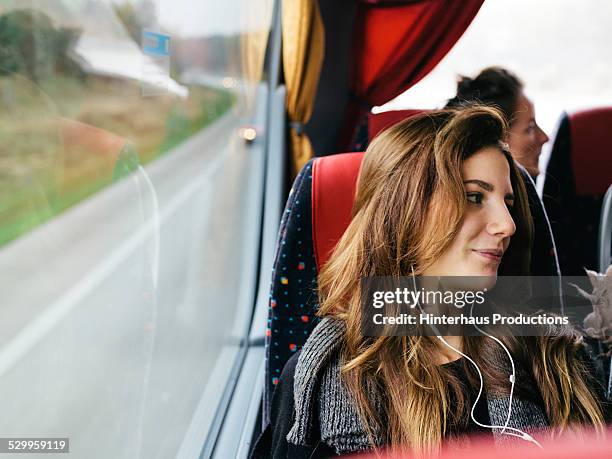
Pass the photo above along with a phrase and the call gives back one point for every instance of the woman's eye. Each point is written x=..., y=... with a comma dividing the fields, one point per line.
x=474, y=198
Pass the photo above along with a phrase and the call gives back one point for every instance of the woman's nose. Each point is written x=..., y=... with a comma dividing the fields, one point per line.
x=501, y=222
x=542, y=137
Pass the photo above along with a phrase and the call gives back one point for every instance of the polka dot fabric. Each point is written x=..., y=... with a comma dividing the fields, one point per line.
x=293, y=298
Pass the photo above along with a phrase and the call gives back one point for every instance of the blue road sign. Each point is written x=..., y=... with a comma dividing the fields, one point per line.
x=154, y=43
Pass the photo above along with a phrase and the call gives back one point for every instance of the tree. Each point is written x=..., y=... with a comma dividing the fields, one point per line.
x=31, y=45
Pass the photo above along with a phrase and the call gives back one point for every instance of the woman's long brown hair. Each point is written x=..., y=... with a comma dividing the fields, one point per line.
x=408, y=208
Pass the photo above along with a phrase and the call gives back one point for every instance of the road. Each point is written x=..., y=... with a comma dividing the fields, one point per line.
x=114, y=315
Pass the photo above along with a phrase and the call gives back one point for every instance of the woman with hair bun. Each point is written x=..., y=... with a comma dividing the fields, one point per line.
x=501, y=88
x=437, y=195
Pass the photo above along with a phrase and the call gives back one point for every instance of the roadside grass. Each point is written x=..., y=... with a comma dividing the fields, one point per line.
x=63, y=140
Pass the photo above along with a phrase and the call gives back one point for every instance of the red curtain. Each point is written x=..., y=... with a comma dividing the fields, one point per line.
x=396, y=44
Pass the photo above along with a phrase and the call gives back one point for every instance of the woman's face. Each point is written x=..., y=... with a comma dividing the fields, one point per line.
x=525, y=137
x=487, y=226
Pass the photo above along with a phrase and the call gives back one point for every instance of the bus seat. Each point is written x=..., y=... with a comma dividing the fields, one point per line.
x=378, y=122
x=317, y=213
x=579, y=173
x=293, y=298
x=374, y=123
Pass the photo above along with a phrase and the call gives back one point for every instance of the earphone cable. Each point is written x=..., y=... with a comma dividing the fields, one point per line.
x=504, y=429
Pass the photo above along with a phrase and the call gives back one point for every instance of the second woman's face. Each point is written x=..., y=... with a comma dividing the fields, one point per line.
x=487, y=225
x=525, y=137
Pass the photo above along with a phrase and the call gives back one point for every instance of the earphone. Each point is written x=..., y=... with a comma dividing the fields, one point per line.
x=512, y=431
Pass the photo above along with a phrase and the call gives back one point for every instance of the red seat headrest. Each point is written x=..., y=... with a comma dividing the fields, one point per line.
x=380, y=121
x=591, y=150
x=334, y=181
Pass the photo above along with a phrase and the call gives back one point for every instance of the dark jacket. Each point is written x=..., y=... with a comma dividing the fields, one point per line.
x=272, y=443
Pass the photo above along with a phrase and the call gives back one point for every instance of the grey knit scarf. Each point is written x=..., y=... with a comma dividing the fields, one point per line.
x=319, y=391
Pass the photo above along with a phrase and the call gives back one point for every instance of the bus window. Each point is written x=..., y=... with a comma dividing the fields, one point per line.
x=131, y=179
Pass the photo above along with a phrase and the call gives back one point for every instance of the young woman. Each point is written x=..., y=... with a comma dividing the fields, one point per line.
x=437, y=195
x=501, y=88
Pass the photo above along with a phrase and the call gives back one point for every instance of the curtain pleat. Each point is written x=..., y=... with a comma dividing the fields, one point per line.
x=303, y=51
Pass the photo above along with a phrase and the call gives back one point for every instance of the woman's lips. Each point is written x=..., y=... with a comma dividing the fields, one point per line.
x=493, y=255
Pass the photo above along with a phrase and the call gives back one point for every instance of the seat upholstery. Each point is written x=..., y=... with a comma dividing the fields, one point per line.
x=317, y=213
x=334, y=184
x=579, y=173
x=293, y=298
x=378, y=122
x=374, y=123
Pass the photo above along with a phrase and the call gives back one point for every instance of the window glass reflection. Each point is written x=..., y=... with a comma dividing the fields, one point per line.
x=129, y=219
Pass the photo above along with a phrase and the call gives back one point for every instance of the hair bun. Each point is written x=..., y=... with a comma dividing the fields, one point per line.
x=464, y=85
